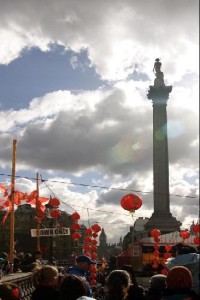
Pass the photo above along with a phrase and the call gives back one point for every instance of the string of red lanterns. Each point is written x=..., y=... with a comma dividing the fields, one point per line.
x=155, y=233
x=75, y=226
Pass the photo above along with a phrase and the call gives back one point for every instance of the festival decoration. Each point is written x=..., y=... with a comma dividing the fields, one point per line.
x=76, y=236
x=184, y=234
x=197, y=240
x=55, y=213
x=196, y=228
x=155, y=233
x=75, y=226
x=54, y=202
x=131, y=202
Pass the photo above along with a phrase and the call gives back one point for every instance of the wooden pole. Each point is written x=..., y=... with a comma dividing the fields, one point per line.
x=12, y=213
x=37, y=204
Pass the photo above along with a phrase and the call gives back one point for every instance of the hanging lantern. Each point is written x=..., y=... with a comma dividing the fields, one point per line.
x=197, y=240
x=87, y=247
x=154, y=266
x=157, y=239
x=184, y=234
x=164, y=272
x=156, y=260
x=196, y=228
x=156, y=246
x=93, y=275
x=155, y=233
x=94, y=256
x=76, y=236
x=75, y=226
x=93, y=282
x=156, y=253
x=94, y=242
x=75, y=216
x=54, y=202
x=88, y=231
x=55, y=213
x=94, y=249
x=96, y=227
x=95, y=235
x=131, y=202
x=93, y=268
x=166, y=255
x=88, y=239
x=87, y=254
x=168, y=248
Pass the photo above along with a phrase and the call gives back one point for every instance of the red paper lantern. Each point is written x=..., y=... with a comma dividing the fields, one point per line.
x=93, y=268
x=197, y=240
x=94, y=249
x=54, y=202
x=156, y=246
x=87, y=247
x=168, y=248
x=156, y=260
x=93, y=275
x=76, y=226
x=95, y=235
x=154, y=266
x=93, y=282
x=76, y=236
x=196, y=228
x=156, y=253
x=166, y=255
x=155, y=233
x=88, y=231
x=96, y=227
x=88, y=239
x=55, y=213
x=131, y=202
x=94, y=242
x=164, y=272
x=94, y=256
x=87, y=254
x=157, y=239
x=75, y=216
x=184, y=234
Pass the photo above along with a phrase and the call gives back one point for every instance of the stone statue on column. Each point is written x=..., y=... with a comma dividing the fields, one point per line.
x=159, y=80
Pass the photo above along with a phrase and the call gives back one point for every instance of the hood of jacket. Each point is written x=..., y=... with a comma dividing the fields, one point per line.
x=183, y=260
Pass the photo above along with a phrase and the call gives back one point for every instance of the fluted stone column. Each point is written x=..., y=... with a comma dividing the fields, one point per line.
x=161, y=217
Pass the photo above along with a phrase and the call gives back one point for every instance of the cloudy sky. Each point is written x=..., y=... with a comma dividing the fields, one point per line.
x=74, y=75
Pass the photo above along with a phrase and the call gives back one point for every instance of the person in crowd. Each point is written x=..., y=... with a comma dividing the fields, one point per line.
x=1, y=267
x=9, y=291
x=81, y=269
x=52, y=261
x=6, y=264
x=28, y=264
x=179, y=284
x=37, y=257
x=186, y=256
x=73, y=287
x=118, y=283
x=16, y=265
x=46, y=280
x=157, y=286
x=135, y=291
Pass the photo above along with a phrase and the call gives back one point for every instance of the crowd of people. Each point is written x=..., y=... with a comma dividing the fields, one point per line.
x=181, y=282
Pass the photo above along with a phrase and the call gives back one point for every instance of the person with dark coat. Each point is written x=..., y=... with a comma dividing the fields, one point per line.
x=179, y=284
x=157, y=286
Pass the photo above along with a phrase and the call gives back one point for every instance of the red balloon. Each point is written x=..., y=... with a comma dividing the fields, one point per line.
x=155, y=233
x=131, y=202
x=184, y=234
x=196, y=228
x=54, y=202
x=55, y=213
x=88, y=231
x=168, y=248
x=88, y=239
x=75, y=216
x=76, y=226
x=76, y=236
x=93, y=282
x=196, y=240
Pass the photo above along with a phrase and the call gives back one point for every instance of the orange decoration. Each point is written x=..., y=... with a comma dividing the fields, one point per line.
x=131, y=202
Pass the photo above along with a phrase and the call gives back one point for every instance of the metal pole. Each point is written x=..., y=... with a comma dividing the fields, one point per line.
x=12, y=213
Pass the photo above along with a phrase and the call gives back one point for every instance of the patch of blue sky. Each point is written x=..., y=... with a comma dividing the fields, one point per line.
x=36, y=73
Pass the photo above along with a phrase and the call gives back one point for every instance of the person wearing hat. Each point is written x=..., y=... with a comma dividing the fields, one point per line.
x=157, y=286
x=81, y=269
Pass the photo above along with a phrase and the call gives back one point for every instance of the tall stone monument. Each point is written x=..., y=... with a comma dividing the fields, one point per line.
x=161, y=217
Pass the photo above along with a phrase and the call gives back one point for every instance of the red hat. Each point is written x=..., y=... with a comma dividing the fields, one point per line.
x=179, y=278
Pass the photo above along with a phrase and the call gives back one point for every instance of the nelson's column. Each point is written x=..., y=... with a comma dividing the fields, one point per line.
x=161, y=218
